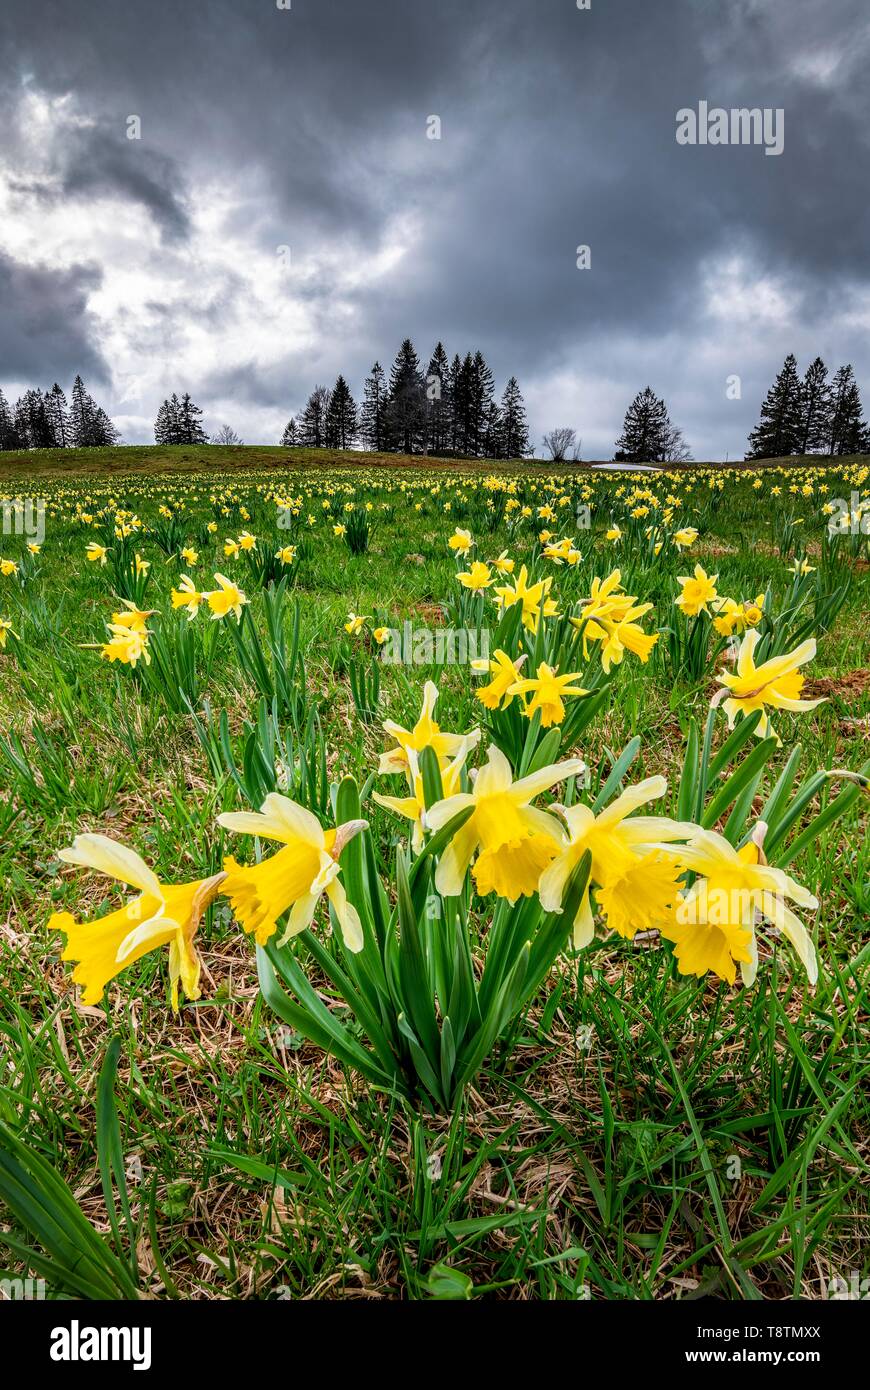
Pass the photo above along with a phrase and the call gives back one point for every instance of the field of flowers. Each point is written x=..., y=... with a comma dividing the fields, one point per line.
x=426, y=883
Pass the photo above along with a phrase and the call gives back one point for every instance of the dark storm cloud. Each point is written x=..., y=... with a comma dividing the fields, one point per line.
x=558, y=129
x=44, y=327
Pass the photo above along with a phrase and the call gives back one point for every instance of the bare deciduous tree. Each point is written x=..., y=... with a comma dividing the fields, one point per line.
x=563, y=444
x=225, y=435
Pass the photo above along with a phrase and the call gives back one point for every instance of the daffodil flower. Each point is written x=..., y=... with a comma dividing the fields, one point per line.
x=635, y=879
x=775, y=683
x=226, y=599
x=547, y=690
x=477, y=578
x=413, y=807
x=5, y=628
x=514, y=841
x=187, y=596
x=162, y=915
x=296, y=877
x=505, y=673
x=426, y=733
x=714, y=927
x=698, y=590
x=96, y=553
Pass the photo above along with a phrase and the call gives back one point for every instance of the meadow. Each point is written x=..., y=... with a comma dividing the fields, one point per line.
x=490, y=1034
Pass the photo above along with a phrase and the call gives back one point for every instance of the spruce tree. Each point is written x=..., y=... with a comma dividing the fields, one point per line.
x=312, y=423
x=9, y=437
x=81, y=416
x=815, y=409
x=458, y=403
x=513, y=433
x=192, y=431
x=480, y=402
x=406, y=410
x=166, y=425
x=778, y=431
x=289, y=438
x=341, y=424
x=847, y=430
x=58, y=414
x=373, y=413
x=438, y=402
x=646, y=430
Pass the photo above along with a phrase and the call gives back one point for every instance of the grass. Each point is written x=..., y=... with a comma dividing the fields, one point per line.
x=648, y=1135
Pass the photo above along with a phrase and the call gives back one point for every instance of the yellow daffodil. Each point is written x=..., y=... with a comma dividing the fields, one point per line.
x=226, y=599
x=714, y=926
x=96, y=553
x=231, y=549
x=635, y=879
x=514, y=841
x=189, y=555
x=162, y=915
x=775, y=683
x=355, y=623
x=8, y=568
x=5, y=628
x=547, y=690
x=503, y=564
x=426, y=733
x=505, y=674
x=413, y=807
x=460, y=542
x=685, y=537
x=478, y=577
x=187, y=596
x=698, y=590
x=296, y=877
x=534, y=599
x=287, y=554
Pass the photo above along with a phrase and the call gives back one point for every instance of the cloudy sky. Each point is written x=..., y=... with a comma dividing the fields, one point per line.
x=285, y=214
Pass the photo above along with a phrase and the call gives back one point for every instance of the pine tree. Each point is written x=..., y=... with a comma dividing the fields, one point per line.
x=645, y=430
x=9, y=436
x=104, y=432
x=373, y=413
x=847, y=430
x=480, y=404
x=312, y=423
x=458, y=402
x=815, y=409
x=514, y=432
x=341, y=425
x=166, y=427
x=81, y=416
x=289, y=438
x=406, y=409
x=32, y=422
x=58, y=415
x=438, y=402
x=778, y=431
x=192, y=431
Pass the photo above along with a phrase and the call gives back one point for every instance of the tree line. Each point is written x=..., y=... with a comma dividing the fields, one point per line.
x=450, y=408
x=45, y=420
x=816, y=414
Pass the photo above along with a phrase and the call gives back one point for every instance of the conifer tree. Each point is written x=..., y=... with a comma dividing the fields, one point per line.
x=58, y=415
x=290, y=437
x=9, y=437
x=847, y=431
x=646, y=430
x=778, y=430
x=513, y=432
x=815, y=409
x=373, y=413
x=438, y=402
x=406, y=410
x=341, y=425
x=312, y=423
